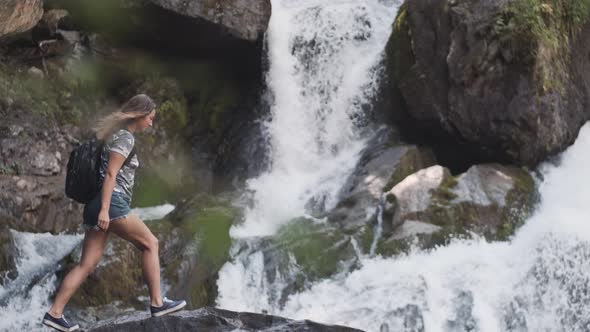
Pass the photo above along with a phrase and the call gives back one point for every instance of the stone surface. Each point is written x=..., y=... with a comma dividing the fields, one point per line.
x=414, y=194
x=382, y=165
x=431, y=207
x=17, y=16
x=32, y=177
x=481, y=85
x=245, y=19
x=214, y=320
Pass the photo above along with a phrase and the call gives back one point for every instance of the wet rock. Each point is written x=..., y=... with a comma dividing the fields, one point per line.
x=213, y=319
x=431, y=205
x=17, y=16
x=7, y=253
x=382, y=165
x=480, y=84
x=301, y=253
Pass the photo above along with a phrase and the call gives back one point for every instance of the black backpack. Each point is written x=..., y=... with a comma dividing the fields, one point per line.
x=83, y=175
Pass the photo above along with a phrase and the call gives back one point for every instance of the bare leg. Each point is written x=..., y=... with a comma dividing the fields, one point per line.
x=135, y=231
x=92, y=249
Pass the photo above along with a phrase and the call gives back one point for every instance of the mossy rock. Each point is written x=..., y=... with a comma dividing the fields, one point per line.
x=197, y=246
x=400, y=55
x=317, y=249
x=415, y=159
x=490, y=200
x=7, y=262
x=495, y=221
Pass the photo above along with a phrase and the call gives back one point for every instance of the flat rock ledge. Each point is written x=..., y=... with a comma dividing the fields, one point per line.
x=211, y=320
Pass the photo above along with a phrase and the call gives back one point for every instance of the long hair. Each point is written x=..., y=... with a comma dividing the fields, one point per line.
x=136, y=107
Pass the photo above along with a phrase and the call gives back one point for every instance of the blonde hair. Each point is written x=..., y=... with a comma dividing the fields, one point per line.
x=136, y=107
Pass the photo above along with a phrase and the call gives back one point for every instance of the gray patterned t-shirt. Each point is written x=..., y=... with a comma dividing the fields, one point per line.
x=121, y=142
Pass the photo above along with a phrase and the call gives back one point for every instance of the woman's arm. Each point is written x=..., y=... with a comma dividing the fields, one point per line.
x=116, y=160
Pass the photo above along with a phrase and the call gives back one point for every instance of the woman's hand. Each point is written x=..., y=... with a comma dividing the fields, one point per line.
x=103, y=220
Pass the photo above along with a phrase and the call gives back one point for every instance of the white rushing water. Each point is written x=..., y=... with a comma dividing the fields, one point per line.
x=324, y=68
x=25, y=299
x=538, y=281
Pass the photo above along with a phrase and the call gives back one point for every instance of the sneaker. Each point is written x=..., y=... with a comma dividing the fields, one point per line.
x=167, y=307
x=60, y=324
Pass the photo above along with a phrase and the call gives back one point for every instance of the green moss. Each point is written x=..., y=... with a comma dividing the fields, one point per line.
x=521, y=201
x=415, y=159
x=540, y=31
x=444, y=193
x=318, y=250
x=201, y=235
x=399, y=47
x=64, y=97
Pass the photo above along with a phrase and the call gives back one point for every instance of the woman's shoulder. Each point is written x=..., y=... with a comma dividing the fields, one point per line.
x=123, y=134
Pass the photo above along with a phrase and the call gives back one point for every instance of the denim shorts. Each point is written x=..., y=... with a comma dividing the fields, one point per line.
x=119, y=208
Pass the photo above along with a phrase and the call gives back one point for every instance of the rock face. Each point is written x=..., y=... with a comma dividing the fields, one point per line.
x=32, y=177
x=214, y=320
x=485, y=77
x=201, y=27
x=18, y=16
x=245, y=19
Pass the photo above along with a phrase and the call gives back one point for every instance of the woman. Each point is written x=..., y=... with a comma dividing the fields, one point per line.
x=109, y=212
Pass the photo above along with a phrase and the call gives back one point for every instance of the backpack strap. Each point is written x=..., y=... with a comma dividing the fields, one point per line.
x=128, y=160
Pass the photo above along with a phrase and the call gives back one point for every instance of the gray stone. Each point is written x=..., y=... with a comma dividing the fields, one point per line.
x=381, y=163
x=17, y=16
x=413, y=227
x=245, y=19
x=214, y=320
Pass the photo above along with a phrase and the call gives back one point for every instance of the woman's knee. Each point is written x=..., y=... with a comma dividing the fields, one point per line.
x=150, y=243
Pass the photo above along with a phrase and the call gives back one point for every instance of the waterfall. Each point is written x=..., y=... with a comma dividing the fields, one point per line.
x=324, y=58
x=24, y=300
x=325, y=61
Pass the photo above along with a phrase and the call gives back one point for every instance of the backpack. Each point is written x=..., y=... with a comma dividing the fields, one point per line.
x=82, y=174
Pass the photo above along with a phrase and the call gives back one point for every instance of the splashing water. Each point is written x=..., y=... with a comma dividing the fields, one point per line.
x=24, y=300
x=325, y=61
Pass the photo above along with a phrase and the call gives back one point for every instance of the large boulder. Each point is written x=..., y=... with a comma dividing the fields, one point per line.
x=495, y=80
x=382, y=165
x=200, y=27
x=245, y=19
x=212, y=319
x=491, y=200
x=17, y=16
